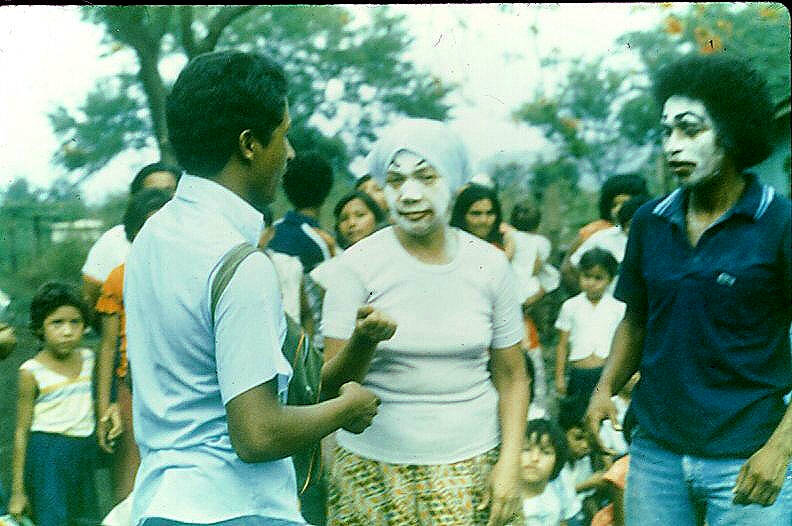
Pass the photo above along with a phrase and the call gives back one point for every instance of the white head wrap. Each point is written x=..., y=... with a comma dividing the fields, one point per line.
x=432, y=140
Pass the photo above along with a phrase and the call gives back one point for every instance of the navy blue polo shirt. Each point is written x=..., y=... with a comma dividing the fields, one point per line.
x=716, y=354
x=295, y=236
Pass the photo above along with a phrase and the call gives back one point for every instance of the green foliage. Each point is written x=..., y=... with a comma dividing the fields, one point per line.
x=315, y=44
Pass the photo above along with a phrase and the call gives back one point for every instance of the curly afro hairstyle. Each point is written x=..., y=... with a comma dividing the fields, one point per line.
x=735, y=96
x=217, y=96
x=308, y=180
x=50, y=297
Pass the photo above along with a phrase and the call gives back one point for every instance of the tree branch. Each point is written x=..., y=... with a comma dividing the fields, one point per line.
x=185, y=23
x=216, y=26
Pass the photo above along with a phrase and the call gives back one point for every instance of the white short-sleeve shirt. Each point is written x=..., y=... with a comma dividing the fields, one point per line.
x=591, y=327
x=438, y=402
x=109, y=251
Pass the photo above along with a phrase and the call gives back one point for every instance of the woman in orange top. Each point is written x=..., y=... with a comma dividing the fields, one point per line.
x=116, y=417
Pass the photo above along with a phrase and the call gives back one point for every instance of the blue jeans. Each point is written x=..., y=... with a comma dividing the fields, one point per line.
x=239, y=521
x=665, y=488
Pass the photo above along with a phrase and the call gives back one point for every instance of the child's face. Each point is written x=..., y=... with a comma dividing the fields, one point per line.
x=62, y=330
x=577, y=442
x=594, y=281
x=537, y=460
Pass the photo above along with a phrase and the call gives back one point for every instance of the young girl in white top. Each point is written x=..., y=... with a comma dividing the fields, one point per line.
x=545, y=501
x=586, y=325
x=54, y=447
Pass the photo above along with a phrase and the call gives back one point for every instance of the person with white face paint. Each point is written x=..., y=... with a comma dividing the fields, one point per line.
x=427, y=317
x=707, y=281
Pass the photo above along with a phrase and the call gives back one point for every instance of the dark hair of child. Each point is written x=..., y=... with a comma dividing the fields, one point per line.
x=50, y=297
x=526, y=216
x=599, y=256
x=139, y=207
x=530, y=370
x=137, y=183
x=308, y=180
x=628, y=209
x=542, y=427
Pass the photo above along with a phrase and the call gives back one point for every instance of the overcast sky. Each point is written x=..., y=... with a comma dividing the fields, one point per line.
x=48, y=56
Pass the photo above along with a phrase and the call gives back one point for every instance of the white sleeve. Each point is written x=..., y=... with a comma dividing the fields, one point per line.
x=344, y=295
x=109, y=251
x=507, y=322
x=249, y=330
x=564, y=320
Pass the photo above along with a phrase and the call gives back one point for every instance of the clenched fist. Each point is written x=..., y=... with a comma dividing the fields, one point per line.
x=374, y=325
x=362, y=406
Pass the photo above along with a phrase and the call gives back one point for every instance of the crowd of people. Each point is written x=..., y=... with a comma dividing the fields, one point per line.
x=432, y=402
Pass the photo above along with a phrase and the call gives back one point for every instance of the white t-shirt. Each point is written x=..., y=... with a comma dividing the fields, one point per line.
x=290, y=273
x=550, y=507
x=109, y=251
x=591, y=327
x=527, y=248
x=572, y=475
x=432, y=375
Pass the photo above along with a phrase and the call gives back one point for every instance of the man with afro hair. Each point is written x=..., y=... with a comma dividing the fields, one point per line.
x=706, y=280
x=307, y=184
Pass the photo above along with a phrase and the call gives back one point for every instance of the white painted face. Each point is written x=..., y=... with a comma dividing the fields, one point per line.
x=418, y=197
x=690, y=142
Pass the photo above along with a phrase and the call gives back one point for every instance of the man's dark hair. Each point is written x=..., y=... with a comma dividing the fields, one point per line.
x=139, y=206
x=466, y=198
x=629, y=184
x=308, y=180
x=50, y=297
x=735, y=95
x=544, y=427
x=218, y=96
x=628, y=209
x=137, y=183
x=379, y=216
x=599, y=256
x=526, y=216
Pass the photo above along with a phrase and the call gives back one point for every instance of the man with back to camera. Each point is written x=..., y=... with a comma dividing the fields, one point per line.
x=213, y=432
x=706, y=280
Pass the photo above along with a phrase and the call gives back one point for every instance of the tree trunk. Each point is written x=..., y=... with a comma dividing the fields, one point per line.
x=155, y=94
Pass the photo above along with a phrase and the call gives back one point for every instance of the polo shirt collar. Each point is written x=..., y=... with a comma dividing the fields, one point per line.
x=293, y=216
x=753, y=203
x=211, y=196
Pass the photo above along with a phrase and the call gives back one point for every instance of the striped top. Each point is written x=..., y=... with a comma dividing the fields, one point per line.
x=64, y=405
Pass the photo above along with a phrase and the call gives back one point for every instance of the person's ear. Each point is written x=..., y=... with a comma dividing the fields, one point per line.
x=246, y=145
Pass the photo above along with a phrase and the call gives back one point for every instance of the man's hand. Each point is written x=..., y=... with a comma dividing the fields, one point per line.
x=362, y=406
x=374, y=325
x=502, y=496
x=600, y=407
x=761, y=477
x=109, y=428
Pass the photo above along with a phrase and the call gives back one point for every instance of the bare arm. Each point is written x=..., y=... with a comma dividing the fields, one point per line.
x=562, y=352
x=623, y=362
x=349, y=360
x=262, y=430
x=511, y=382
x=107, y=419
x=25, y=400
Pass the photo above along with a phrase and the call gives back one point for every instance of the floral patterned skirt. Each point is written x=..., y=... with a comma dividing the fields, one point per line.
x=366, y=492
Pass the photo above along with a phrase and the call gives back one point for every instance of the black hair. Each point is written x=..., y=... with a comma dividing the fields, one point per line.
x=50, y=297
x=628, y=209
x=735, y=95
x=571, y=411
x=379, y=216
x=544, y=427
x=526, y=216
x=362, y=180
x=530, y=371
x=599, y=256
x=629, y=184
x=308, y=180
x=217, y=96
x=267, y=215
x=466, y=199
x=139, y=206
x=137, y=183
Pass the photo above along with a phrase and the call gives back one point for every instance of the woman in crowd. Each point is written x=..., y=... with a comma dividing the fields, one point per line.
x=416, y=313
